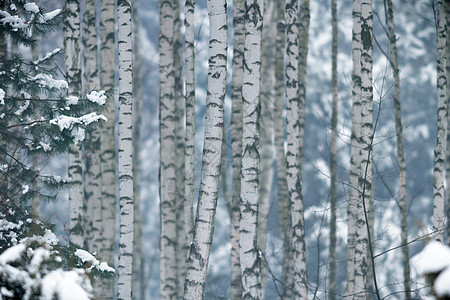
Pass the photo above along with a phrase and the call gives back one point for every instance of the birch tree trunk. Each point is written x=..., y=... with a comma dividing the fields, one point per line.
x=293, y=107
x=400, y=150
x=440, y=150
x=267, y=132
x=125, y=153
x=190, y=122
x=361, y=259
x=248, y=231
x=73, y=75
x=179, y=158
x=447, y=9
x=333, y=152
x=297, y=210
x=197, y=262
x=167, y=152
x=92, y=173
x=139, y=281
x=355, y=159
x=236, y=144
x=108, y=144
x=282, y=193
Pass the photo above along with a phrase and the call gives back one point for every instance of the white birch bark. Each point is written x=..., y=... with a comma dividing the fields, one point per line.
x=167, y=151
x=267, y=131
x=355, y=160
x=190, y=122
x=297, y=210
x=332, y=285
x=197, y=262
x=125, y=153
x=447, y=174
x=400, y=150
x=92, y=173
x=361, y=260
x=248, y=233
x=298, y=255
x=440, y=150
x=107, y=145
x=236, y=144
x=73, y=73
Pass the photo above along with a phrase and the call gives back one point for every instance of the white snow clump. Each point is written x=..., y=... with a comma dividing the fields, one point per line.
x=97, y=97
x=2, y=97
x=31, y=7
x=435, y=258
x=87, y=258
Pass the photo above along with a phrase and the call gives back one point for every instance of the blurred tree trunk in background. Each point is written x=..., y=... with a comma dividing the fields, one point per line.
x=278, y=118
x=36, y=159
x=179, y=148
x=266, y=131
x=108, y=142
x=73, y=77
x=92, y=172
x=139, y=280
x=403, y=201
x=333, y=153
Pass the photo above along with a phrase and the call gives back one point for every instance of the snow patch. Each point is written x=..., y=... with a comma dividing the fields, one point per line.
x=31, y=7
x=89, y=259
x=63, y=285
x=72, y=100
x=2, y=97
x=434, y=258
x=47, y=80
x=97, y=97
x=50, y=15
x=12, y=254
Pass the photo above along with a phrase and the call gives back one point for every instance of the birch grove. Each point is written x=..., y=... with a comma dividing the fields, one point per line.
x=337, y=163
x=125, y=150
x=200, y=249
